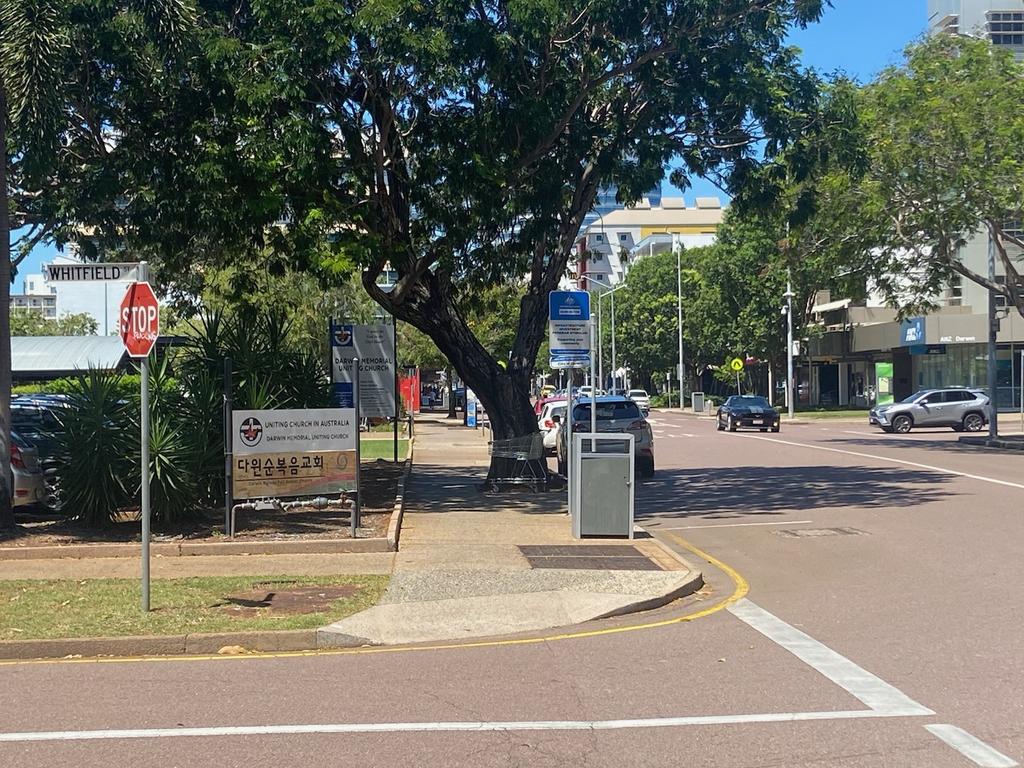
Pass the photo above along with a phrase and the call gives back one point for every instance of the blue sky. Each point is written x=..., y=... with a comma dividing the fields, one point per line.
x=857, y=37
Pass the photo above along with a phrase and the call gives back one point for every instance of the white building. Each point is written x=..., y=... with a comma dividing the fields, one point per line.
x=617, y=238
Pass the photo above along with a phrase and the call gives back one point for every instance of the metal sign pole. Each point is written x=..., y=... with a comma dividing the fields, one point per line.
x=228, y=446
x=394, y=350
x=593, y=388
x=144, y=277
x=358, y=503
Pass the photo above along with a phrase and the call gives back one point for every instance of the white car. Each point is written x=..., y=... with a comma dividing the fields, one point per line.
x=546, y=422
x=641, y=398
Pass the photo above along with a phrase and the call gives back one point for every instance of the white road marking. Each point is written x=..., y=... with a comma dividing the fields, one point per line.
x=858, y=682
x=515, y=725
x=733, y=525
x=971, y=747
x=851, y=432
x=904, y=462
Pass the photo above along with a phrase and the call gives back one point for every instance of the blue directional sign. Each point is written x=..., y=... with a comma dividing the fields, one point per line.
x=569, y=326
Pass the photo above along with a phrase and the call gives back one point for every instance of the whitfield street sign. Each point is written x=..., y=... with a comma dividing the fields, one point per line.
x=80, y=273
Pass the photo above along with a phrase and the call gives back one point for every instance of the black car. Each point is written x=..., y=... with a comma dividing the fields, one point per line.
x=747, y=411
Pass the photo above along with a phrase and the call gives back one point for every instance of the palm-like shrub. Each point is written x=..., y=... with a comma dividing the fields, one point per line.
x=99, y=447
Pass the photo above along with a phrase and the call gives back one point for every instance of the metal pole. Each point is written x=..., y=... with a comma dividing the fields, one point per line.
x=790, y=394
x=357, y=505
x=144, y=437
x=394, y=336
x=593, y=391
x=668, y=387
x=228, y=446
x=679, y=310
x=1021, y=382
x=615, y=366
x=993, y=422
x=600, y=348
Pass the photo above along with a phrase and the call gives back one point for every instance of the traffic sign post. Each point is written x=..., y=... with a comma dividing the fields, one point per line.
x=139, y=322
x=737, y=364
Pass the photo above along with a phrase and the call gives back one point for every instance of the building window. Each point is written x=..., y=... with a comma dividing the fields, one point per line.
x=1000, y=299
x=956, y=291
x=623, y=238
x=599, y=238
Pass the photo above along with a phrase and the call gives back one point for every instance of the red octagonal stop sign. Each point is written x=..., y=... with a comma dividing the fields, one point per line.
x=139, y=319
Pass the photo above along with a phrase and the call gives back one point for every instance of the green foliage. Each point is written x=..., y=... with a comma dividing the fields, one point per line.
x=942, y=135
x=97, y=449
x=25, y=322
x=172, y=465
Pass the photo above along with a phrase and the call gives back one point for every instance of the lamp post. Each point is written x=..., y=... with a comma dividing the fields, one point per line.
x=788, y=310
x=679, y=310
x=993, y=329
x=600, y=348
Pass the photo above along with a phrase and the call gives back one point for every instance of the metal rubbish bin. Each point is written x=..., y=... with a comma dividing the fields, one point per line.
x=601, y=482
x=697, y=401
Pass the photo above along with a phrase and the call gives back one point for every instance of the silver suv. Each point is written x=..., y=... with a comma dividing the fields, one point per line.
x=963, y=409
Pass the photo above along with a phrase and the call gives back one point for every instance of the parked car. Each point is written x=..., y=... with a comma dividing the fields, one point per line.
x=963, y=409
x=37, y=419
x=641, y=398
x=29, y=484
x=748, y=412
x=547, y=422
x=588, y=391
x=614, y=414
x=538, y=407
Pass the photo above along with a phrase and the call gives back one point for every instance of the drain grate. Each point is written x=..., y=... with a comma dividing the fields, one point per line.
x=811, y=533
x=588, y=557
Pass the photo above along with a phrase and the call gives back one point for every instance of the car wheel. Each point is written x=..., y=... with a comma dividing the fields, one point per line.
x=732, y=425
x=775, y=428
x=720, y=425
x=973, y=422
x=902, y=424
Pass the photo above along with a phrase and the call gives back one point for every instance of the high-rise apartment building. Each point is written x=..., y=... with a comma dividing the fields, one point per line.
x=1001, y=21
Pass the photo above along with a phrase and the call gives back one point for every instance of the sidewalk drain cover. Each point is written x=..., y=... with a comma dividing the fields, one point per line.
x=809, y=533
x=588, y=557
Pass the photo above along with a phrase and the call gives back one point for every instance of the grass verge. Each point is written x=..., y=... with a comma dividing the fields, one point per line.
x=374, y=448
x=859, y=413
x=39, y=609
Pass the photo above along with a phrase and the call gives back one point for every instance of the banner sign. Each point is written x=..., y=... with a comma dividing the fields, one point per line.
x=374, y=345
x=301, y=452
x=569, y=329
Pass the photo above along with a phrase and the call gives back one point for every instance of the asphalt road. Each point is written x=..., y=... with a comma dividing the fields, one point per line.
x=882, y=574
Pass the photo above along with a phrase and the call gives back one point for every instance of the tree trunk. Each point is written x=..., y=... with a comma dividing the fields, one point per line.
x=451, y=392
x=504, y=393
x=6, y=492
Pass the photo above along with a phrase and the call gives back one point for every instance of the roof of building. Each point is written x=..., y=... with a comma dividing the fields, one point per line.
x=64, y=355
x=660, y=217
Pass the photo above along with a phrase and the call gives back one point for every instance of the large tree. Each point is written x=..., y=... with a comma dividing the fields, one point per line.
x=943, y=134
x=460, y=143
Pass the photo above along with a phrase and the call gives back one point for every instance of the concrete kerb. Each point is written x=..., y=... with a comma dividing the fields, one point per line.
x=395, y=524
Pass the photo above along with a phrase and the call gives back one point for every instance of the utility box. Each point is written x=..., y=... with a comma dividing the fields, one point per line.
x=697, y=401
x=601, y=485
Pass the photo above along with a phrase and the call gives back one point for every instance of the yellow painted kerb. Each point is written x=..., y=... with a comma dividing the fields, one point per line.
x=740, y=590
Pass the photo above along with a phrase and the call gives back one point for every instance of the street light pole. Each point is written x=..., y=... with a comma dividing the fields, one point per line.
x=615, y=366
x=789, y=345
x=993, y=328
x=600, y=348
x=679, y=311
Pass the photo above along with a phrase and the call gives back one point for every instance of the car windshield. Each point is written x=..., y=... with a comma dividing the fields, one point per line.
x=637, y=393
x=607, y=411
x=749, y=402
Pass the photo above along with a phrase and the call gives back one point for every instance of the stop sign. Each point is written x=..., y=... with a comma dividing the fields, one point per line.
x=139, y=319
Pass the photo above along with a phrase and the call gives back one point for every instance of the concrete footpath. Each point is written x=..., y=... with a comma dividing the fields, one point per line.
x=472, y=564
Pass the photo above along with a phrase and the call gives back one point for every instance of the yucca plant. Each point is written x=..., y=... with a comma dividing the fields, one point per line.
x=99, y=447
x=173, y=486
